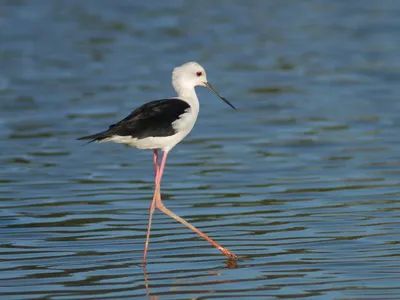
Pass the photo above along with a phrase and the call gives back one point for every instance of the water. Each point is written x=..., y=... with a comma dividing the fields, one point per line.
x=302, y=180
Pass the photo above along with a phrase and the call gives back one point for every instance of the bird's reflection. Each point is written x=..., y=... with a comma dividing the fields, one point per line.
x=147, y=283
x=230, y=264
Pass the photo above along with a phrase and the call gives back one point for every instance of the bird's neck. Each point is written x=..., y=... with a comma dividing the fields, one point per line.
x=188, y=94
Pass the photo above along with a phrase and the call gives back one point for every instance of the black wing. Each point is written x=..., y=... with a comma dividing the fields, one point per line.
x=151, y=119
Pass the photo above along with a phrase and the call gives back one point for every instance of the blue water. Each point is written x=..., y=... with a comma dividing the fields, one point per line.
x=302, y=181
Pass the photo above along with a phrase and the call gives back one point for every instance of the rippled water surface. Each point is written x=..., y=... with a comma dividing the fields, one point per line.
x=303, y=181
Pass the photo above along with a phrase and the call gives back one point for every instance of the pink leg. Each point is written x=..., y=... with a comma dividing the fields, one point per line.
x=155, y=161
x=165, y=210
x=152, y=205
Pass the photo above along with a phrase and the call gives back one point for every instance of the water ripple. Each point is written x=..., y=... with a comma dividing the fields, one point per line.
x=301, y=182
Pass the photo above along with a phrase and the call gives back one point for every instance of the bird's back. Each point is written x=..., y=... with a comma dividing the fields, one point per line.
x=153, y=119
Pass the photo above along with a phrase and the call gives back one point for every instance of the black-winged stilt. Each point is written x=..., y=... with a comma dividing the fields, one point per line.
x=161, y=124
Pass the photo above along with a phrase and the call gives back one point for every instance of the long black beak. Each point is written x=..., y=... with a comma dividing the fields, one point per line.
x=209, y=86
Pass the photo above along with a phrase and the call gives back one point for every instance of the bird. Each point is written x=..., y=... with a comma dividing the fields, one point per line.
x=161, y=125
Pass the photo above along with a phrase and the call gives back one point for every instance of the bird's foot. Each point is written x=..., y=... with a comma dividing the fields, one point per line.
x=228, y=254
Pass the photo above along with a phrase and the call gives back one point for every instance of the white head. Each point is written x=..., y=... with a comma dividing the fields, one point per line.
x=190, y=75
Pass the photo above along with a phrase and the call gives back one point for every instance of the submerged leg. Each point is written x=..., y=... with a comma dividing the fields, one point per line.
x=165, y=210
x=152, y=205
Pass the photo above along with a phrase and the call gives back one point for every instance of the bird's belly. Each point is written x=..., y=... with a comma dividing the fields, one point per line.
x=165, y=143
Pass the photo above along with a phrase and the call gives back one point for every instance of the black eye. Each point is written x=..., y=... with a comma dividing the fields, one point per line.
x=199, y=74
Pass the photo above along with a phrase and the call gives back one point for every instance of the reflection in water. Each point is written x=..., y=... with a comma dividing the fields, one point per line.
x=146, y=279
x=232, y=263
x=181, y=282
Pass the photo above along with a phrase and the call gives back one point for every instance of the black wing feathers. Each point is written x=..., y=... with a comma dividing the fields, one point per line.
x=151, y=119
